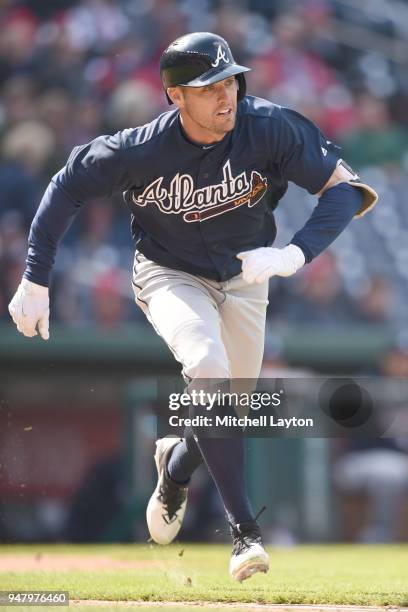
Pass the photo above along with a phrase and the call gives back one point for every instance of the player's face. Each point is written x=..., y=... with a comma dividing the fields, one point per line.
x=207, y=113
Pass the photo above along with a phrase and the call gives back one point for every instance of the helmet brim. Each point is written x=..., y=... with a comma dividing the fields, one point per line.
x=214, y=75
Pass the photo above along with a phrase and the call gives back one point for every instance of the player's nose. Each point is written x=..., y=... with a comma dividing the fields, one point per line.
x=223, y=93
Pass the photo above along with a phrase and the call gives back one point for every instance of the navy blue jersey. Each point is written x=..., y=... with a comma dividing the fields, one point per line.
x=193, y=207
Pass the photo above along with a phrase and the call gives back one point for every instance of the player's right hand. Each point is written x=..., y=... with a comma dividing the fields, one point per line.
x=30, y=309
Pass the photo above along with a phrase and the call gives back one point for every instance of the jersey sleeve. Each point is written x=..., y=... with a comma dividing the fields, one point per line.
x=97, y=169
x=302, y=152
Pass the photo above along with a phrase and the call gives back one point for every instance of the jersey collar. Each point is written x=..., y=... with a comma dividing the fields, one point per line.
x=207, y=147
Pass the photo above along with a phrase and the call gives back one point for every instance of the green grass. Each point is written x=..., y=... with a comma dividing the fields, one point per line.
x=332, y=574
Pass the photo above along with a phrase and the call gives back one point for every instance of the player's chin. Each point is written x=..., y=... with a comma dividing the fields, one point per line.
x=226, y=120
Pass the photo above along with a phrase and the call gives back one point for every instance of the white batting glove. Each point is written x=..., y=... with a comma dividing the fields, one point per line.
x=260, y=264
x=29, y=308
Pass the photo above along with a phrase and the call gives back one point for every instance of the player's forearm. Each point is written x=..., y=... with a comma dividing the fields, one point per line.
x=93, y=170
x=336, y=208
x=54, y=216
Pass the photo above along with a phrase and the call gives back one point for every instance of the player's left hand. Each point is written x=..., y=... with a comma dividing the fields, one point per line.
x=260, y=264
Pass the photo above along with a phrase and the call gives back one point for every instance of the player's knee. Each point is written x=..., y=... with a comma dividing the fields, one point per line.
x=211, y=362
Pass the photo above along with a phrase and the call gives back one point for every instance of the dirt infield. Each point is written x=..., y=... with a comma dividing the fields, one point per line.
x=233, y=607
x=60, y=563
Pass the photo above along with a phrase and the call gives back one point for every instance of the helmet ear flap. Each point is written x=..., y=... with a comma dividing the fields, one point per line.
x=241, y=86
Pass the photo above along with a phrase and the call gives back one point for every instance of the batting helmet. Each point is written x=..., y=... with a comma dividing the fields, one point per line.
x=199, y=59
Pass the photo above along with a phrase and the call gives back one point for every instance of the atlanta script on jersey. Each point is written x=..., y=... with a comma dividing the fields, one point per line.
x=206, y=202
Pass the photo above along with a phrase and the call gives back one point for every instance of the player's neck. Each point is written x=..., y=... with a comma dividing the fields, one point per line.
x=198, y=134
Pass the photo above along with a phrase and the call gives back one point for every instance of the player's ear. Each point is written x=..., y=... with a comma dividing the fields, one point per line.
x=175, y=94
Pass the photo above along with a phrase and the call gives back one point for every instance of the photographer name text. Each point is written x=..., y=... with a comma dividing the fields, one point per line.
x=235, y=421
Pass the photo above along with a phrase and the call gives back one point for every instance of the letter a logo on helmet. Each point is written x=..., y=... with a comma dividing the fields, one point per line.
x=220, y=56
x=199, y=59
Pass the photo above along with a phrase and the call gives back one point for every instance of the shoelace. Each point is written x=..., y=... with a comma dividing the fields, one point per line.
x=246, y=534
x=171, y=497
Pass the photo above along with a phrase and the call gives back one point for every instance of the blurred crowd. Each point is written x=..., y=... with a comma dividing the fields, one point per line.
x=71, y=70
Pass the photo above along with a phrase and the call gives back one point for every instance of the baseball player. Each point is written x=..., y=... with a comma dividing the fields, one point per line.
x=201, y=182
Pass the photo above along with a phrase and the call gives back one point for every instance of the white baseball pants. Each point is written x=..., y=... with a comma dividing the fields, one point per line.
x=214, y=329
